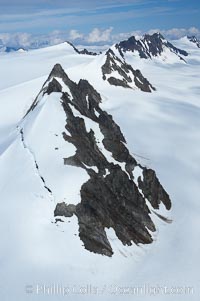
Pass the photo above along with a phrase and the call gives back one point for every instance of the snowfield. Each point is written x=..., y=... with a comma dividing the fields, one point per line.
x=162, y=132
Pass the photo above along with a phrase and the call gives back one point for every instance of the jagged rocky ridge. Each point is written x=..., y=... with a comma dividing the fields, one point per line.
x=87, y=52
x=83, y=51
x=194, y=40
x=118, y=73
x=149, y=46
x=120, y=193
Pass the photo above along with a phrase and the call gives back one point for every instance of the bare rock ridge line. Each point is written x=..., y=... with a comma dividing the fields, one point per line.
x=115, y=194
x=128, y=76
x=84, y=51
x=35, y=162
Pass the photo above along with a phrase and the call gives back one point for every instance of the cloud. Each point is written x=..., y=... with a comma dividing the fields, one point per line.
x=15, y=40
x=173, y=33
x=98, y=35
x=75, y=34
x=125, y=35
x=177, y=33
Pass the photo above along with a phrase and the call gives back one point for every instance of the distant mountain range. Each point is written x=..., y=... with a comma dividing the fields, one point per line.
x=7, y=49
x=147, y=46
x=116, y=67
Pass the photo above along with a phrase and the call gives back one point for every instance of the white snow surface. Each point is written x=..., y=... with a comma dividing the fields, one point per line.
x=43, y=129
x=162, y=132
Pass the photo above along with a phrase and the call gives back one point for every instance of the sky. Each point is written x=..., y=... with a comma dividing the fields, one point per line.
x=92, y=22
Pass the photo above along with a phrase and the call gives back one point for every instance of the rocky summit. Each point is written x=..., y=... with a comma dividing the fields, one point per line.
x=120, y=193
x=194, y=40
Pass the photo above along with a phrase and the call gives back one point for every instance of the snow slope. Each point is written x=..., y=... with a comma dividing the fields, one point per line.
x=22, y=75
x=161, y=129
x=36, y=63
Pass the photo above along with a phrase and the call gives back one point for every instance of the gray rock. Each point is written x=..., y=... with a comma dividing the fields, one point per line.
x=63, y=209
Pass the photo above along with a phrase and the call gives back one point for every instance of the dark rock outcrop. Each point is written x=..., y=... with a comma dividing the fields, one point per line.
x=152, y=189
x=113, y=197
x=128, y=77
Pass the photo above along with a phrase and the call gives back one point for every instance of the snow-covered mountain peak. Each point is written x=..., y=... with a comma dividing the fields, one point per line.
x=150, y=46
x=42, y=172
x=83, y=162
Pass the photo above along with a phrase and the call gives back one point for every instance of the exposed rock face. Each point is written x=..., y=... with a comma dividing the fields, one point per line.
x=148, y=47
x=194, y=40
x=119, y=73
x=116, y=192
